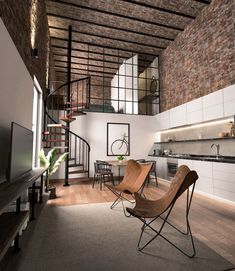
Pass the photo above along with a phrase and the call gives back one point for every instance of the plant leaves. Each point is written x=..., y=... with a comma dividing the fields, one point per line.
x=58, y=162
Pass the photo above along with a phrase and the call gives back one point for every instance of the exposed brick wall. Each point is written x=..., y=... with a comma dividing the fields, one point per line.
x=16, y=17
x=202, y=58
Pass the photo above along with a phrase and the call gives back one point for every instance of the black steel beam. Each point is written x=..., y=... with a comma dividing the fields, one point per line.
x=77, y=73
x=98, y=60
x=206, y=2
x=160, y=9
x=105, y=47
x=90, y=65
x=117, y=15
x=109, y=38
x=63, y=17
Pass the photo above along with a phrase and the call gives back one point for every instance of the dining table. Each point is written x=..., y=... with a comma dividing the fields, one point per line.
x=119, y=165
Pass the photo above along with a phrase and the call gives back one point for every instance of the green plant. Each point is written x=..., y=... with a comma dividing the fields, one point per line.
x=51, y=161
x=120, y=157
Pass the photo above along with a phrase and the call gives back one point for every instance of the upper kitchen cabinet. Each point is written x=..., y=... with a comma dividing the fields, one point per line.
x=194, y=111
x=178, y=116
x=212, y=106
x=163, y=120
x=229, y=101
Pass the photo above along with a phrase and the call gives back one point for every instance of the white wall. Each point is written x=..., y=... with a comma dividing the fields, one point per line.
x=93, y=128
x=124, y=86
x=16, y=92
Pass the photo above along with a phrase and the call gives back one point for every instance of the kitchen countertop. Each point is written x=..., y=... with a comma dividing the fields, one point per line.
x=210, y=158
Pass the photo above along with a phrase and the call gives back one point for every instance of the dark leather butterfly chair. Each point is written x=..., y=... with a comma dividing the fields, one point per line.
x=133, y=181
x=152, y=209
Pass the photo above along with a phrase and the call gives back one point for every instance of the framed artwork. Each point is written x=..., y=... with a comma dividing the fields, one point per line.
x=118, y=139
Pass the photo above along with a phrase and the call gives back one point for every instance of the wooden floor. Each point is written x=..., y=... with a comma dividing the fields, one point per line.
x=212, y=221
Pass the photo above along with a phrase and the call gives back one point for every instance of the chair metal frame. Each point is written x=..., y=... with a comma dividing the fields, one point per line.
x=120, y=196
x=165, y=221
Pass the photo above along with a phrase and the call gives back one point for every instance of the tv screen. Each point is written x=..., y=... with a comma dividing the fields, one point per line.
x=21, y=151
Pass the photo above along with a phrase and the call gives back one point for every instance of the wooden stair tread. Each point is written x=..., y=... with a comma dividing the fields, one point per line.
x=53, y=133
x=78, y=171
x=56, y=140
x=57, y=125
x=67, y=119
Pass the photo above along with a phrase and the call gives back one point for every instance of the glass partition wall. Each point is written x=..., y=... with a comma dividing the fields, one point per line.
x=120, y=81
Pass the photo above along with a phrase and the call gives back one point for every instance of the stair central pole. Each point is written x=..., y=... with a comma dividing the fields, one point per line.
x=66, y=183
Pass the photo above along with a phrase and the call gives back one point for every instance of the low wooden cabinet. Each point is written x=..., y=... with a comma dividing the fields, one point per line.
x=12, y=222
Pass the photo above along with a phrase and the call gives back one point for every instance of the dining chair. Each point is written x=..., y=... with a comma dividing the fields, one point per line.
x=148, y=211
x=102, y=172
x=133, y=181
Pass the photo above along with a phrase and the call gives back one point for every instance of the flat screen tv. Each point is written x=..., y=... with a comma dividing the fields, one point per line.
x=21, y=151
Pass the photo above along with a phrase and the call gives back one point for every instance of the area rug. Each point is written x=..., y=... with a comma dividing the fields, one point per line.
x=92, y=237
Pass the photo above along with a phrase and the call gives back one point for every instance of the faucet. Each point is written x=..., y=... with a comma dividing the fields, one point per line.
x=217, y=149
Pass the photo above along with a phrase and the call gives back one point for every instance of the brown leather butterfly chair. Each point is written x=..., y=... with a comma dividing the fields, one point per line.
x=133, y=182
x=153, y=209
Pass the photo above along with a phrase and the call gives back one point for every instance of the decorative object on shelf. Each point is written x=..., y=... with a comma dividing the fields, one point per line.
x=118, y=139
x=154, y=86
x=52, y=161
x=232, y=128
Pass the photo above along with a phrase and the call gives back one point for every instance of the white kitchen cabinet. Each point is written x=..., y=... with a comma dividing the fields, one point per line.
x=178, y=116
x=194, y=111
x=229, y=100
x=161, y=164
x=224, y=180
x=205, y=176
x=163, y=120
x=186, y=162
x=213, y=106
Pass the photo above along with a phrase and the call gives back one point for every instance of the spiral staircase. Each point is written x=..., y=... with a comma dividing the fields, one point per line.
x=61, y=107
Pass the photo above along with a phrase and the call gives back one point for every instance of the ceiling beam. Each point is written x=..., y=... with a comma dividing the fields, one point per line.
x=87, y=65
x=109, y=26
x=206, y=2
x=109, y=38
x=104, y=47
x=110, y=77
x=169, y=11
x=101, y=60
x=116, y=14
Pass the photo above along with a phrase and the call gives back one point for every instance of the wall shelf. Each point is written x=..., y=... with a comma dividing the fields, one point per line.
x=195, y=140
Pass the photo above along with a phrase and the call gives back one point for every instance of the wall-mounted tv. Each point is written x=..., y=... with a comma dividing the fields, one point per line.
x=21, y=151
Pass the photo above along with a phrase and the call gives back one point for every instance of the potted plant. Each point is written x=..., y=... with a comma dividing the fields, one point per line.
x=52, y=162
x=120, y=158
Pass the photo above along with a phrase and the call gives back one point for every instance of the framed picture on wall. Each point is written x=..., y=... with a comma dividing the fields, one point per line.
x=118, y=139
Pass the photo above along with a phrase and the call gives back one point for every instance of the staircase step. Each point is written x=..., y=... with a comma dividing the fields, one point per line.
x=76, y=165
x=56, y=140
x=55, y=147
x=72, y=159
x=76, y=113
x=57, y=125
x=78, y=171
x=67, y=119
x=53, y=133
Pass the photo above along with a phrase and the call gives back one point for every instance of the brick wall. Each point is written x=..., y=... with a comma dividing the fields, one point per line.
x=202, y=58
x=16, y=17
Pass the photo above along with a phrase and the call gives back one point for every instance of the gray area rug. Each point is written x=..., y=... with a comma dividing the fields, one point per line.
x=91, y=237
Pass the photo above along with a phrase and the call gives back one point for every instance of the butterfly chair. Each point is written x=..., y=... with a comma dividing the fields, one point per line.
x=133, y=182
x=102, y=171
x=152, y=209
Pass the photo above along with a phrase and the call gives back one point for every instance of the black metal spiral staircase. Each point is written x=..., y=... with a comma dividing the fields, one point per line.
x=61, y=106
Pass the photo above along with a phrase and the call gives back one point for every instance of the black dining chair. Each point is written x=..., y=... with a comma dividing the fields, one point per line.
x=153, y=172
x=103, y=172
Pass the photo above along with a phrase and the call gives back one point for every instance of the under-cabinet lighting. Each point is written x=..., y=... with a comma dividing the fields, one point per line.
x=197, y=125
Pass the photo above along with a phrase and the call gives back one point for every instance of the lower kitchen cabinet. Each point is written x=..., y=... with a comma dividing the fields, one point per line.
x=215, y=178
x=224, y=180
